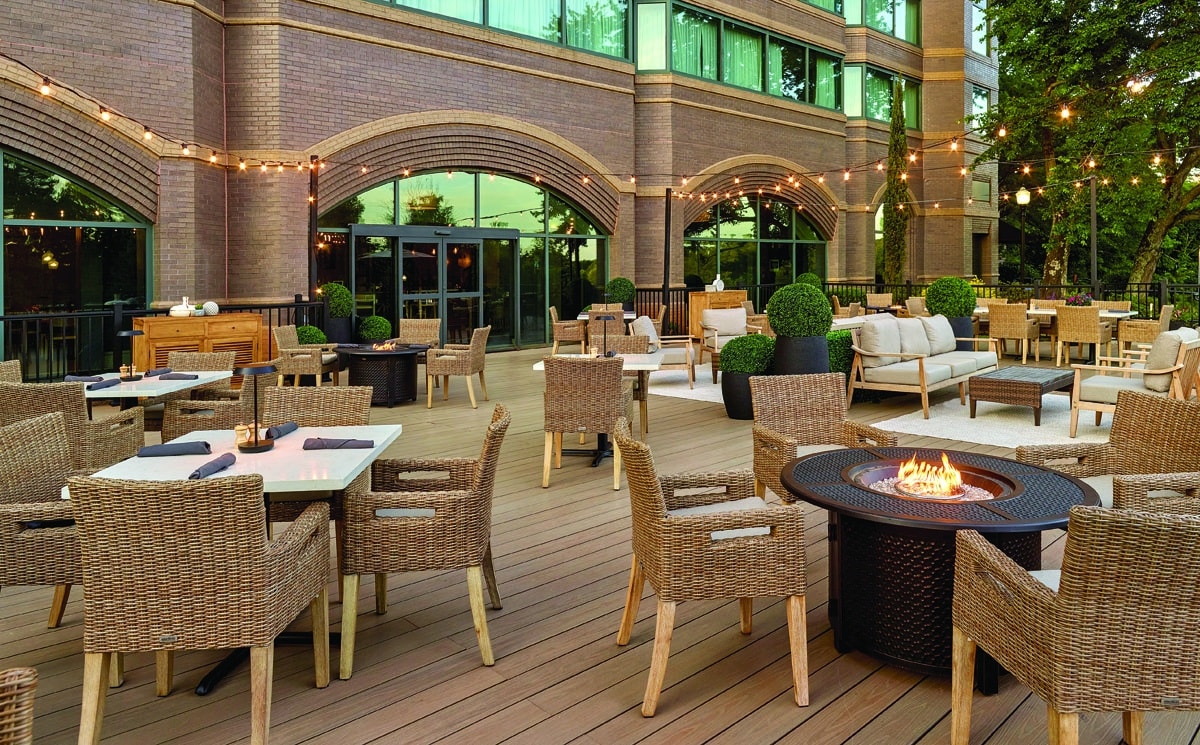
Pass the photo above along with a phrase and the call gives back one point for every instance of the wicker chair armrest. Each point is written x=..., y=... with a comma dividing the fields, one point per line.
x=1133, y=492
x=775, y=516
x=113, y=439
x=386, y=474
x=862, y=435
x=22, y=512
x=361, y=506
x=458, y=347
x=308, y=532
x=1077, y=459
x=719, y=486
x=995, y=599
x=216, y=394
x=329, y=347
x=451, y=350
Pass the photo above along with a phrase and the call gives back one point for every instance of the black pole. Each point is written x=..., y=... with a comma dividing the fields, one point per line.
x=666, y=287
x=313, y=167
x=1095, y=271
x=1021, y=271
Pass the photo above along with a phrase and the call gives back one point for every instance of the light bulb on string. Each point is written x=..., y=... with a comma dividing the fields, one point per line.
x=962, y=171
x=683, y=180
x=1002, y=132
x=279, y=168
x=820, y=179
x=212, y=157
x=912, y=156
x=45, y=87
x=737, y=179
x=879, y=165
x=904, y=176
x=185, y=149
x=405, y=172
x=147, y=135
x=632, y=179
x=262, y=167
x=846, y=175
x=105, y=114
x=585, y=180
x=1091, y=163
x=1026, y=169
x=1104, y=181
x=937, y=205
x=1134, y=180
x=241, y=164
x=954, y=145
x=1065, y=113
x=1157, y=159
x=299, y=168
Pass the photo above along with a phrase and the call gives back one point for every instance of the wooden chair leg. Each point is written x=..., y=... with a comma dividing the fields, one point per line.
x=381, y=601
x=445, y=387
x=616, y=466
x=262, y=664
x=1064, y=728
x=554, y=349
x=1131, y=726
x=1074, y=419
x=664, y=625
x=962, y=686
x=319, y=609
x=428, y=391
x=471, y=392
x=797, y=619
x=546, y=460
x=349, y=625
x=62, y=593
x=116, y=670
x=558, y=449
x=91, y=715
x=633, y=598
x=746, y=615
x=489, y=575
x=279, y=380
x=478, y=616
x=164, y=671
x=483, y=386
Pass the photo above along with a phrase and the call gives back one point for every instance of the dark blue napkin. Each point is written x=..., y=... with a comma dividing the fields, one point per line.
x=174, y=448
x=220, y=463
x=179, y=376
x=83, y=379
x=336, y=443
x=157, y=371
x=279, y=430
x=103, y=384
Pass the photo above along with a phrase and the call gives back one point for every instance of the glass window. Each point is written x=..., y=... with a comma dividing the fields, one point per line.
x=652, y=36
x=979, y=28
x=566, y=220
x=776, y=219
x=825, y=78
x=438, y=199
x=34, y=193
x=537, y=18
x=704, y=226
x=508, y=203
x=854, y=13
x=742, y=57
x=878, y=95
x=833, y=6
x=899, y=18
x=881, y=15
x=981, y=100
x=852, y=77
x=736, y=218
x=463, y=10
x=981, y=190
x=694, y=43
x=787, y=73
x=699, y=263
x=912, y=104
x=577, y=272
x=597, y=26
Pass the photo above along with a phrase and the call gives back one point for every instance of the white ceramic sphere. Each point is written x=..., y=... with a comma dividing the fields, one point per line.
x=211, y=309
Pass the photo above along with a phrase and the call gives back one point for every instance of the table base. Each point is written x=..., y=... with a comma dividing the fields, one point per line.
x=603, y=450
x=237, y=657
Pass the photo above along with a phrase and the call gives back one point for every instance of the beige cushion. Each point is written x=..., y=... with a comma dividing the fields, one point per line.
x=728, y=321
x=1103, y=486
x=879, y=333
x=643, y=326
x=1104, y=388
x=737, y=505
x=941, y=336
x=405, y=512
x=912, y=336
x=1163, y=353
x=964, y=363
x=907, y=373
x=328, y=358
x=674, y=355
x=1048, y=577
x=824, y=447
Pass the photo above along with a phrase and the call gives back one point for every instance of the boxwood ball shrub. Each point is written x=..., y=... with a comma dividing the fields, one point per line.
x=952, y=297
x=799, y=310
x=341, y=302
x=310, y=335
x=620, y=290
x=374, y=328
x=751, y=354
x=808, y=278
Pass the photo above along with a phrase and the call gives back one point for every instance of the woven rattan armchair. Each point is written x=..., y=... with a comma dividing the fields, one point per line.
x=458, y=359
x=419, y=331
x=1149, y=435
x=601, y=332
x=216, y=408
x=570, y=331
x=584, y=395
x=1011, y=322
x=1143, y=331
x=879, y=300
x=1081, y=325
x=187, y=565
x=10, y=371
x=705, y=536
x=1117, y=630
x=189, y=362
x=1049, y=324
x=797, y=415
x=411, y=522
x=298, y=359
x=17, y=687
x=94, y=444
x=1177, y=493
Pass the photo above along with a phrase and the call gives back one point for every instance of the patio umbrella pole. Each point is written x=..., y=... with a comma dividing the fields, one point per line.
x=666, y=287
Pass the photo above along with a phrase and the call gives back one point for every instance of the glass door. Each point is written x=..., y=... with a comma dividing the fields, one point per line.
x=420, y=286
x=462, y=290
x=499, y=284
x=375, y=276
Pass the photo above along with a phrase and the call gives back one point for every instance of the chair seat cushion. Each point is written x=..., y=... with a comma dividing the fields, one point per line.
x=328, y=358
x=1103, y=389
x=824, y=447
x=907, y=373
x=1103, y=486
x=405, y=512
x=1048, y=577
x=964, y=363
x=736, y=505
x=674, y=355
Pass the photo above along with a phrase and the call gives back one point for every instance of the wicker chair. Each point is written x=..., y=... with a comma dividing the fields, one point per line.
x=1081, y=325
x=1150, y=435
x=717, y=327
x=1011, y=322
x=1113, y=304
x=10, y=371
x=229, y=586
x=190, y=362
x=17, y=686
x=298, y=359
x=879, y=300
x=982, y=323
x=658, y=320
x=419, y=331
x=569, y=331
x=1049, y=324
x=714, y=541
x=1143, y=331
x=600, y=332
x=797, y=415
x=458, y=359
x=584, y=395
x=419, y=523
x=916, y=306
x=759, y=320
x=1116, y=630
x=216, y=408
x=94, y=444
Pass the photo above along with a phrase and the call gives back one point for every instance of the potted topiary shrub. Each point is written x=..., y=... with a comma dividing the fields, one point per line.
x=339, y=310
x=800, y=316
x=374, y=328
x=808, y=278
x=620, y=290
x=954, y=298
x=741, y=357
x=310, y=335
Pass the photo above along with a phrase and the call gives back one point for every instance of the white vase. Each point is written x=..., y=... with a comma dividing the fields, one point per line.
x=718, y=283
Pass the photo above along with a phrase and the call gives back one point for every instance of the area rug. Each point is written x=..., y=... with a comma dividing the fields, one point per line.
x=674, y=383
x=1001, y=424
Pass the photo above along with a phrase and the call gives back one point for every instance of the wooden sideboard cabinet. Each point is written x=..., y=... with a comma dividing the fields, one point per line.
x=238, y=332
x=699, y=301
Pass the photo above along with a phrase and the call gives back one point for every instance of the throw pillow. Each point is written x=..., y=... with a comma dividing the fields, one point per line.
x=941, y=335
x=643, y=326
x=913, y=339
x=880, y=334
x=1163, y=353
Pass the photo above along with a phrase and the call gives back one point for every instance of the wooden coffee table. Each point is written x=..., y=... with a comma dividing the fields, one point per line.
x=1019, y=386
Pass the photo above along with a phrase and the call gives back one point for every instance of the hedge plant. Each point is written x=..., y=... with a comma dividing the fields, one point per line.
x=808, y=278
x=751, y=354
x=339, y=299
x=310, y=335
x=841, y=356
x=799, y=310
x=620, y=290
x=374, y=328
x=952, y=297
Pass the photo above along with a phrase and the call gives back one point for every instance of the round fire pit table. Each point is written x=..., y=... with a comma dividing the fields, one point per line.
x=391, y=373
x=891, y=557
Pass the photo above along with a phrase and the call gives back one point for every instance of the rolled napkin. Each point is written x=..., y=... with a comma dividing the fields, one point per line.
x=103, y=384
x=174, y=448
x=178, y=376
x=336, y=443
x=157, y=371
x=279, y=430
x=220, y=463
x=82, y=379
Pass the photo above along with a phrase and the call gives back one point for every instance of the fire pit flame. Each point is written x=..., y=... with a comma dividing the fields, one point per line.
x=384, y=346
x=929, y=480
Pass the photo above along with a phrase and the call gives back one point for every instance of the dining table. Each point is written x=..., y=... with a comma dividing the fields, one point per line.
x=129, y=391
x=1052, y=312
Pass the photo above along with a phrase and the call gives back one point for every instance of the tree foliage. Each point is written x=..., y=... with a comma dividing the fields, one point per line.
x=895, y=216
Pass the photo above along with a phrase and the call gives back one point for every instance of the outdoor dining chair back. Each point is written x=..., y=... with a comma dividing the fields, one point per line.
x=569, y=331
x=1012, y=322
x=1132, y=331
x=458, y=360
x=93, y=444
x=298, y=359
x=10, y=371
x=1081, y=325
x=583, y=395
x=17, y=687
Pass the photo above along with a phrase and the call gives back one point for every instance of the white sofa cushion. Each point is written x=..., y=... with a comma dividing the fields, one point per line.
x=736, y=505
x=939, y=332
x=1104, y=388
x=907, y=373
x=964, y=363
x=879, y=333
x=728, y=321
x=913, y=339
x=643, y=326
x=824, y=447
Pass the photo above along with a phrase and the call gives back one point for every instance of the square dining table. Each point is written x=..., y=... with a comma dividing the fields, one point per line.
x=130, y=391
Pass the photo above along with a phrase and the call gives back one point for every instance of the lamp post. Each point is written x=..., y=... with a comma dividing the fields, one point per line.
x=1023, y=200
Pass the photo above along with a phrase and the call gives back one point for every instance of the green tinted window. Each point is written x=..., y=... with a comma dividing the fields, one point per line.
x=463, y=10
x=597, y=26
x=438, y=199
x=737, y=218
x=566, y=220
x=912, y=104
x=652, y=36
x=853, y=85
x=508, y=203
x=694, y=43
x=878, y=95
x=825, y=80
x=34, y=193
x=537, y=18
x=742, y=57
x=787, y=70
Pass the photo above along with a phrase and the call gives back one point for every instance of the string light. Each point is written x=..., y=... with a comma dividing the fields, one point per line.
x=212, y=158
x=912, y=156
x=1002, y=132
x=879, y=166
x=105, y=114
x=147, y=135
x=1091, y=163
x=1025, y=169
x=45, y=87
x=280, y=169
x=185, y=149
x=962, y=171
x=954, y=145
x=820, y=179
x=1066, y=112
x=585, y=180
x=846, y=175
x=1157, y=159
x=362, y=170
x=241, y=164
x=262, y=167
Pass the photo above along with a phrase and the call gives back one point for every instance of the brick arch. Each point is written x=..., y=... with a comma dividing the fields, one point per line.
x=819, y=207
x=51, y=129
x=471, y=147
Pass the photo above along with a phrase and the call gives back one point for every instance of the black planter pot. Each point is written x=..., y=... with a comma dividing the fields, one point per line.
x=735, y=390
x=339, y=330
x=801, y=355
x=963, y=327
x=627, y=306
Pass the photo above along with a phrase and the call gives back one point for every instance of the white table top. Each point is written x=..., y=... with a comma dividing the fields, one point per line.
x=156, y=386
x=1050, y=312
x=841, y=324
x=629, y=315
x=287, y=467
x=631, y=362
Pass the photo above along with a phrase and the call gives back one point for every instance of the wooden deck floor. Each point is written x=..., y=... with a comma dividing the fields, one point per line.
x=562, y=558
